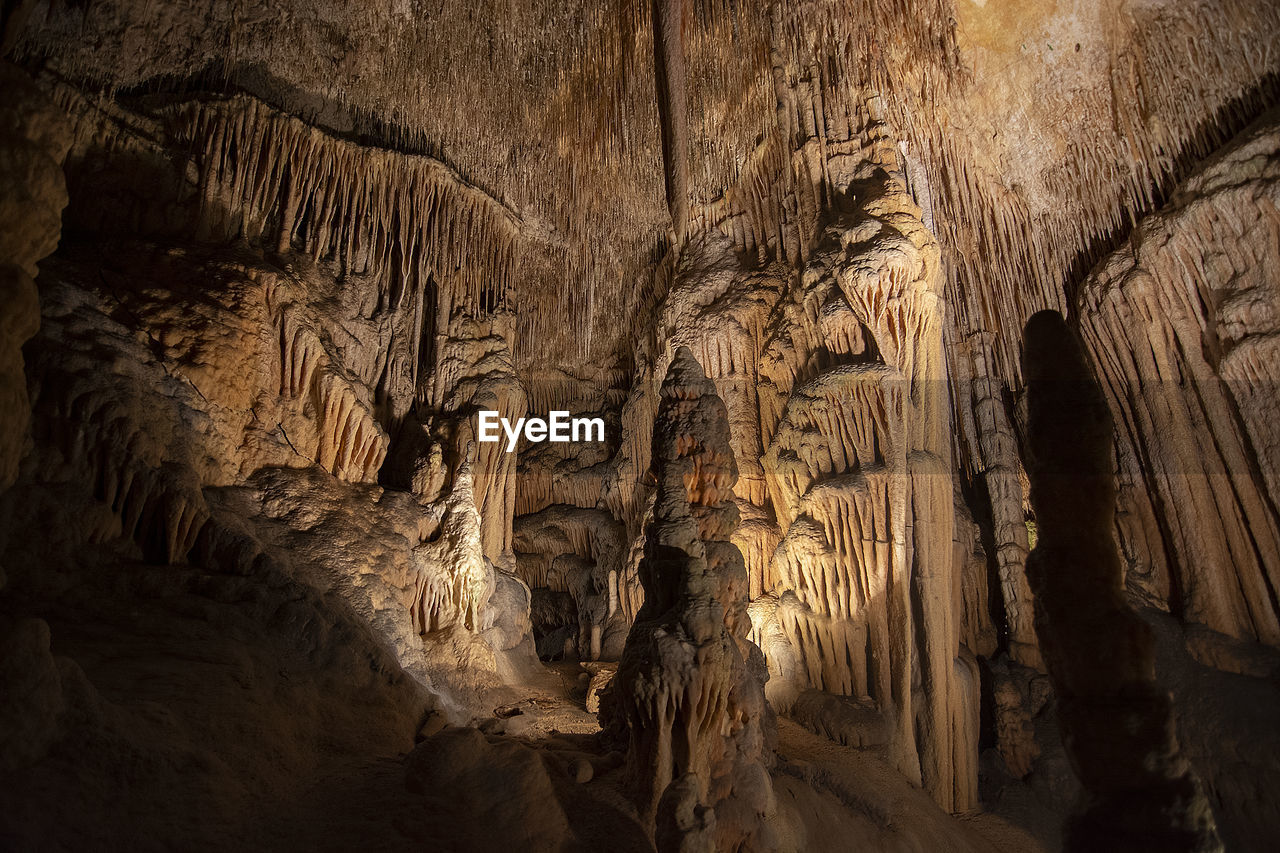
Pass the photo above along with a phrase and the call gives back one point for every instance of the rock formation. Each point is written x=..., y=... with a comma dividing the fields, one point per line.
x=35, y=141
x=1181, y=322
x=1117, y=722
x=565, y=549
x=689, y=692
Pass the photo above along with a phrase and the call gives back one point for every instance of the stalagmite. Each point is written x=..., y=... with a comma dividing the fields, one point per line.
x=689, y=695
x=545, y=543
x=288, y=258
x=460, y=594
x=998, y=455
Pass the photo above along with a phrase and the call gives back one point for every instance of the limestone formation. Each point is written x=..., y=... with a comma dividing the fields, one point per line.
x=579, y=552
x=689, y=691
x=35, y=141
x=858, y=477
x=1117, y=722
x=1181, y=323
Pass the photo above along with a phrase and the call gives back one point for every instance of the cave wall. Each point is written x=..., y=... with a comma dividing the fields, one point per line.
x=222, y=405
x=1181, y=322
x=835, y=387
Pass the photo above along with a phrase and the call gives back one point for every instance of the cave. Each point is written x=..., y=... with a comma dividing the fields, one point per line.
x=931, y=497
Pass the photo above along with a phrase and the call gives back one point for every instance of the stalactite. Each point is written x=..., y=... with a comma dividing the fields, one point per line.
x=800, y=77
x=352, y=444
x=669, y=80
x=397, y=218
x=581, y=552
x=857, y=468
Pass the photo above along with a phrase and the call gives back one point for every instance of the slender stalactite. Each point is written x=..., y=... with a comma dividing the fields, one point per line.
x=673, y=109
x=271, y=271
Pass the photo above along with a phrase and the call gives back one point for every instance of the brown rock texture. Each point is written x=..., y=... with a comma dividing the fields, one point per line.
x=1182, y=324
x=689, y=690
x=262, y=266
x=34, y=138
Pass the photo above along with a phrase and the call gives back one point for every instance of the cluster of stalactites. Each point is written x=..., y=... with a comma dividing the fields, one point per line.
x=578, y=551
x=1186, y=62
x=856, y=455
x=1182, y=323
x=351, y=444
x=404, y=220
x=766, y=81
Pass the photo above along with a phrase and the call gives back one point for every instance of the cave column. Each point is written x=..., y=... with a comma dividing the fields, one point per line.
x=1000, y=466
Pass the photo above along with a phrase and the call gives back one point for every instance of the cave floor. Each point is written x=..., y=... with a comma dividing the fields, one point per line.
x=199, y=716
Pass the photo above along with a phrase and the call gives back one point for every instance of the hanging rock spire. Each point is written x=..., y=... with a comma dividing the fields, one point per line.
x=669, y=83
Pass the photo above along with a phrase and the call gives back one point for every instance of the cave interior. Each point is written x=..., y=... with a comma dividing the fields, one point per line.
x=937, y=500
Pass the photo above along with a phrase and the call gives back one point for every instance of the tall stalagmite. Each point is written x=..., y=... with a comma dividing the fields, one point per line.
x=690, y=687
x=283, y=255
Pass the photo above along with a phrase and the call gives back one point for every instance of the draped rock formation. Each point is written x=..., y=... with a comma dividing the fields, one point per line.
x=1181, y=323
x=834, y=382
